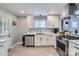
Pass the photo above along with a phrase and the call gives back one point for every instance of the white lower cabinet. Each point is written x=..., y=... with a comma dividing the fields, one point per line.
x=43, y=40
x=54, y=40
x=3, y=48
x=73, y=49
x=37, y=40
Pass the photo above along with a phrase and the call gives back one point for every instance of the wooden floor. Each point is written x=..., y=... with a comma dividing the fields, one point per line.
x=32, y=51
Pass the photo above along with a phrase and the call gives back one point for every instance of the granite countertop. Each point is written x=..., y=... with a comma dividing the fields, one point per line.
x=36, y=33
x=75, y=41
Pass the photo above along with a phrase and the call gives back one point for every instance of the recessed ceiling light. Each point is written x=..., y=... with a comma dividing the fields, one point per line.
x=52, y=12
x=22, y=11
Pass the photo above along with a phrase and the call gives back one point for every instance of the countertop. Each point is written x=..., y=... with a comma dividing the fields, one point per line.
x=75, y=41
x=40, y=34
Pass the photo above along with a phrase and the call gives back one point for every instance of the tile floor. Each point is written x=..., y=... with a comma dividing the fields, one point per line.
x=32, y=51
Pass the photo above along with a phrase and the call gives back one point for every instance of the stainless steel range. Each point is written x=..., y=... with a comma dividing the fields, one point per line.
x=62, y=44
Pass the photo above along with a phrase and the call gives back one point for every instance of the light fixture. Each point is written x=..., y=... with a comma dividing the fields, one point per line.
x=52, y=12
x=22, y=12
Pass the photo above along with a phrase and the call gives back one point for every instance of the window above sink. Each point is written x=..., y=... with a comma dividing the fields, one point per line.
x=40, y=22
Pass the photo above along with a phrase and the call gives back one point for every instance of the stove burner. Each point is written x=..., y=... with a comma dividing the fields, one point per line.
x=71, y=37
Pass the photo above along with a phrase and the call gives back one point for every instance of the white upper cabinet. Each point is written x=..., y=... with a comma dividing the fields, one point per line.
x=30, y=21
x=53, y=21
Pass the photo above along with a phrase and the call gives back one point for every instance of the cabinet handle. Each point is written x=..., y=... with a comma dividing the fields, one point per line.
x=1, y=45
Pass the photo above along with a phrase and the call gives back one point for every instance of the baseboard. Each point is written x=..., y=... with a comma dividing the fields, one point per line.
x=16, y=44
x=19, y=43
x=44, y=46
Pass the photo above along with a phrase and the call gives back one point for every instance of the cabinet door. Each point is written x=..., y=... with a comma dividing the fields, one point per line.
x=72, y=49
x=37, y=40
x=53, y=21
x=54, y=40
x=43, y=40
x=30, y=21
x=51, y=40
x=48, y=40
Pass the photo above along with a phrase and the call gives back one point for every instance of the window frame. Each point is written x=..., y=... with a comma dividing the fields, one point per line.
x=39, y=20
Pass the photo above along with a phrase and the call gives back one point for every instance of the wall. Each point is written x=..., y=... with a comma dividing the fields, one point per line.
x=12, y=29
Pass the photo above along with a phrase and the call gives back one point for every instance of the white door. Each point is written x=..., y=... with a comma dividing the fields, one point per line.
x=5, y=29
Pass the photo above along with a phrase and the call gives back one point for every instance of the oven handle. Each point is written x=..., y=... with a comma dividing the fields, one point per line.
x=61, y=42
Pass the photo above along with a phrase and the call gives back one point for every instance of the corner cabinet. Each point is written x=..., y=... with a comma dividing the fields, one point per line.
x=43, y=40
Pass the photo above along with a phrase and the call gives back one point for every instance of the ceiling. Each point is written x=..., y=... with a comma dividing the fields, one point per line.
x=33, y=8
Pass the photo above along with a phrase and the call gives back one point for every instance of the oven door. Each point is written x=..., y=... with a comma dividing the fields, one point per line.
x=62, y=47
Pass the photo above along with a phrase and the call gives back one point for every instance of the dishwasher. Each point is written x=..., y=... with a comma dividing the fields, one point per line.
x=29, y=40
